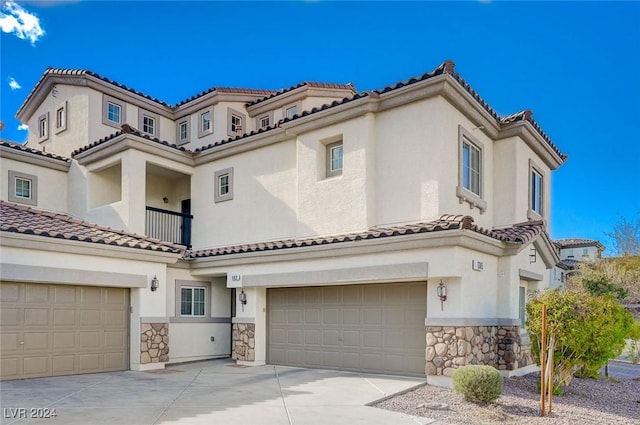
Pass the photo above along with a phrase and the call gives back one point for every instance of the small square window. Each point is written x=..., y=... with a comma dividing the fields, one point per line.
x=113, y=111
x=264, y=122
x=224, y=185
x=148, y=122
x=334, y=159
x=149, y=125
x=291, y=111
x=23, y=188
x=235, y=123
x=192, y=301
x=183, y=135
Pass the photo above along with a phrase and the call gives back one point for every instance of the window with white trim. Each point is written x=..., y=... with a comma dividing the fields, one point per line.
x=224, y=185
x=148, y=125
x=113, y=111
x=148, y=122
x=43, y=127
x=182, y=129
x=536, y=192
x=205, y=122
x=23, y=188
x=335, y=156
x=61, y=118
x=192, y=301
x=470, y=171
x=235, y=122
x=264, y=122
x=290, y=111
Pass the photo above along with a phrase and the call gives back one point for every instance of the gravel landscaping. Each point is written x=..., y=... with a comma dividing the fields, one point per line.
x=585, y=402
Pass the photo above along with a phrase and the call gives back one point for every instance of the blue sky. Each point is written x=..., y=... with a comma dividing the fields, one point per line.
x=575, y=64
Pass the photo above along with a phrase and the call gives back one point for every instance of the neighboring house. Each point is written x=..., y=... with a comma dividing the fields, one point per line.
x=313, y=226
x=573, y=252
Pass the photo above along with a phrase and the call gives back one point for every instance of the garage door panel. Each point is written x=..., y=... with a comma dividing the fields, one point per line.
x=62, y=329
x=370, y=328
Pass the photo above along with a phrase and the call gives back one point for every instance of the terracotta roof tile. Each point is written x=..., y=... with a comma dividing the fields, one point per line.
x=127, y=129
x=16, y=218
x=254, y=92
x=303, y=84
x=26, y=149
x=569, y=264
x=519, y=233
x=576, y=243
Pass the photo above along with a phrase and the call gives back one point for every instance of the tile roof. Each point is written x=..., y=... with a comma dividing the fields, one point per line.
x=127, y=129
x=576, y=242
x=569, y=264
x=16, y=218
x=254, y=92
x=313, y=84
x=23, y=148
x=520, y=233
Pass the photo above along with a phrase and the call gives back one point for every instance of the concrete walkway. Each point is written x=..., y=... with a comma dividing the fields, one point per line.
x=212, y=392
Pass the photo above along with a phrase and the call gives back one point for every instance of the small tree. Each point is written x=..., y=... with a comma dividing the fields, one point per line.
x=626, y=235
x=587, y=330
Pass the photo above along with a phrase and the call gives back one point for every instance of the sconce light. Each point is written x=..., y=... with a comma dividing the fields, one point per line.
x=243, y=298
x=154, y=283
x=442, y=293
x=165, y=200
x=533, y=255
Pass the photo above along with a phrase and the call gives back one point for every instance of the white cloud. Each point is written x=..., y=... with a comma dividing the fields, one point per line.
x=14, y=84
x=23, y=127
x=15, y=19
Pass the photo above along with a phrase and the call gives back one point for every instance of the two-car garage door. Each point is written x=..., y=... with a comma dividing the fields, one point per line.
x=49, y=330
x=368, y=328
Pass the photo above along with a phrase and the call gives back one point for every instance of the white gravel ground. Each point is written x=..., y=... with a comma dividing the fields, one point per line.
x=585, y=402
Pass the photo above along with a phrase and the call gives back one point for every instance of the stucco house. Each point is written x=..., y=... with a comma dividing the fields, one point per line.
x=396, y=230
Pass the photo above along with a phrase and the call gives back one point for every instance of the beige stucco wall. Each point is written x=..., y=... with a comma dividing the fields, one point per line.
x=51, y=184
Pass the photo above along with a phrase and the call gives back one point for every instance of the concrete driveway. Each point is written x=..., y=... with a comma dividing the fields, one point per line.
x=212, y=392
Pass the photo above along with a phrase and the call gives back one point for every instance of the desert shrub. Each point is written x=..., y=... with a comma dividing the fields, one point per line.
x=588, y=330
x=478, y=383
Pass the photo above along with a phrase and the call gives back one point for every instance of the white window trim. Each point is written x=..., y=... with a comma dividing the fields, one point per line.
x=156, y=122
x=328, y=160
x=13, y=176
x=201, y=132
x=531, y=214
x=268, y=115
x=243, y=119
x=463, y=194
x=186, y=120
x=106, y=100
x=218, y=175
x=65, y=113
x=43, y=137
x=179, y=284
x=286, y=108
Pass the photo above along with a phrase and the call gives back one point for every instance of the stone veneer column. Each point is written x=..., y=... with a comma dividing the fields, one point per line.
x=449, y=347
x=243, y=341
x=154, y=343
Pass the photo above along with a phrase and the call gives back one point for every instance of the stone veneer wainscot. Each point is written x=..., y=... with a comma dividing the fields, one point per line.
x=449, y=347
x=243, y=341
x=154, y=343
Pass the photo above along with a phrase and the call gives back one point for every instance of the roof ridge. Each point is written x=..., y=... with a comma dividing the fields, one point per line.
x=302, y=84
x=27, y=149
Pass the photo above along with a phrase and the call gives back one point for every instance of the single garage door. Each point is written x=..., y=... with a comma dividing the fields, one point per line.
x=367, y=328
x=49, y=330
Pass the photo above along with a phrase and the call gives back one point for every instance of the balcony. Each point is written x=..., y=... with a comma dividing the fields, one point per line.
x=169, y=226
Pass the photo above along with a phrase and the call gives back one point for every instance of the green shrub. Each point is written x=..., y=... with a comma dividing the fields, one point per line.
x=478, y=383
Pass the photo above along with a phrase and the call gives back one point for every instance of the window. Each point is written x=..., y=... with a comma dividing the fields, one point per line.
x=585, y=252
x=522, y=305
x=148, y=122
x=192, y=301
x=235, y=123
x=224, y=185
x=61, y=118
x=470, y=174
x=113, y=111
x=536, y=192
x=183, y=135
x=291, y=110
x=43, y=127
x=334, y=159
x=23, y=188
x=264, y=122
x=205, y=123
